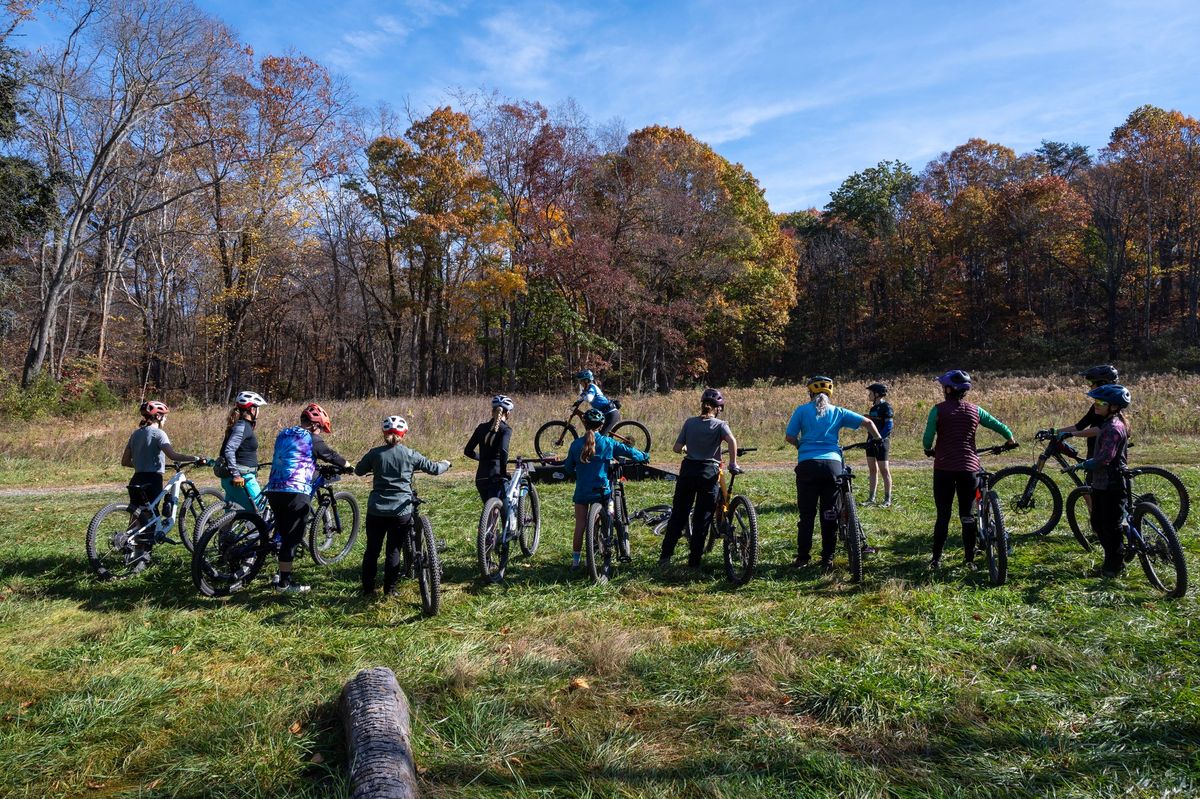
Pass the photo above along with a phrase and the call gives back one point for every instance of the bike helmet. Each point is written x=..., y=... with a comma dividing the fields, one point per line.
x=956, y=378
x=395, y=424
x=712, y=396
x=593, y=418
x=502, y=401
x=1103, y=375
x=820, y=384
x=315, y=415
x=585, y=374
x=153, y=409
x=249, y=399
x=1117, y=396
x=878, y=388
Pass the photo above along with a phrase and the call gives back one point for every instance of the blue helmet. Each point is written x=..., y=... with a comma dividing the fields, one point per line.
x=585, y=374
x=956, y=378
x=593, y=418
x=1117, y=396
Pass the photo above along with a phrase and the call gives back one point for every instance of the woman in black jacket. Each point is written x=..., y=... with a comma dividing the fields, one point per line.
x=489, y=445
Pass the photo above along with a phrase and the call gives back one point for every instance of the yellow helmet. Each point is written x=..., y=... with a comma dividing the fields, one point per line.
x=820, y=385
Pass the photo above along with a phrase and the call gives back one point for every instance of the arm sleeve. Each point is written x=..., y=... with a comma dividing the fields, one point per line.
x=366, y=464
x=428, y=466
x=569, y=463
x=992, y=423
x=236, y=436
x=851, y=419
x=680, y=440
x=930, y=429
x=588, y=395
x=885, y=429
x=1085, y=422
x=472, y=445
x=1107, y=446
x=502, y=446
x=793, y=425
x=326, y=453
x=626, y=451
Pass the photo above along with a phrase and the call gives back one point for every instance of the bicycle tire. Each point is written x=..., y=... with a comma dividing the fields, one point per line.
x=597, y=550
x=1175, y=505
x=486, y=551
x=327, y=541
x=852, y=535
x=741, y=541
x=1018, y=487
x=114, y=554
x=189, y=516
x=230, y=553
x=635, y=433
x=995, y=539
x=1073, y=499
x=429, y=569
x=529, y=521
x=1159, y=549
x=553, y=439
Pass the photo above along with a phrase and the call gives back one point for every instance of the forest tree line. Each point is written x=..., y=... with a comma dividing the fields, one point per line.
x=184, y=216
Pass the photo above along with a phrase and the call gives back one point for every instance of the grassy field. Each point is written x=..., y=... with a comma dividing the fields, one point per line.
x=798, y=685
x=1165, y=418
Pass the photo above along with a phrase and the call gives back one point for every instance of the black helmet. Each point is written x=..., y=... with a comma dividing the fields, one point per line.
x=1102, y=375
x=878, y=388
x=593, y=417
x=712, y=396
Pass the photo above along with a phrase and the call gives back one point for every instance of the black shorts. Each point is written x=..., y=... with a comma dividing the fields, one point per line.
x=879, y=449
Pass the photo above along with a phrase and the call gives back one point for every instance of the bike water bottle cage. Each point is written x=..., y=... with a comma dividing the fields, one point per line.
x=820, y=385
x=955, y=378
x=1102, y=375
x=1113, y=395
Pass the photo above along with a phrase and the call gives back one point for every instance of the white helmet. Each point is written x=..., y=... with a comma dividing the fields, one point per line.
x=501, y=401
x=395, y=424
x=249, y=399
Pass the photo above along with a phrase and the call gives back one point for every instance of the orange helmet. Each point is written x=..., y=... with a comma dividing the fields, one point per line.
x=153, y=409
x=315, y=415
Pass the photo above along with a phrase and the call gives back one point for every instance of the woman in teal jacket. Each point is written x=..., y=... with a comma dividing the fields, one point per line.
x=588, y=460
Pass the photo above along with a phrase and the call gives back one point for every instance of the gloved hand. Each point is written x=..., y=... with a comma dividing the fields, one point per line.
x=1062, y=435
x=929, y=453
x=1086, y=466
x=443, y=467
x=735, y=469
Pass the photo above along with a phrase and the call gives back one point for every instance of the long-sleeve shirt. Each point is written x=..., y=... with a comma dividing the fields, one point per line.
x=1111, y=454
x=954, y=423
x=393, y=467
x=593, y=396
x=490, y=449
x=241, y=445
x=294, y=464
x=591, y=478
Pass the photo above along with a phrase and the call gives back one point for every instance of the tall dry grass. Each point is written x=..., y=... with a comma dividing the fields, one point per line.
x=1165, y=415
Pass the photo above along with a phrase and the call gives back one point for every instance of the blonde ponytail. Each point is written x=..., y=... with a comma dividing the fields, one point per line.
x=589, y=447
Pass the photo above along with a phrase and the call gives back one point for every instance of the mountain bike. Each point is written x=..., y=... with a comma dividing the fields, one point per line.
x=329, y=539
x=850, y=531
x=121, y=536
x=1139, y=492
x=606, y=536
x=234, y=543
x=516, y=514
x=421, y=555
x=553, y=438
x=1034, y=503
x=1150, y=536
x=991, y=537
x=734, y=523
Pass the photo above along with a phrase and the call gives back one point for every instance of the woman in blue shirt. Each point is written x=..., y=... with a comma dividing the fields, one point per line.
x=588, y=459
x=813, y=430
x=589, y=392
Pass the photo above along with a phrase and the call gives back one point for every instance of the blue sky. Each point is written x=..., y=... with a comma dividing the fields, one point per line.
x=802, y=93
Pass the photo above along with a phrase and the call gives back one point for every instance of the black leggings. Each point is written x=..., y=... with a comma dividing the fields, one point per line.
x=610, y=421
x=396, y=530
x=489, y=487
x=816, y=484
x=696, y=486
x=1108, y=507
x=945, y=485
x=291, y=514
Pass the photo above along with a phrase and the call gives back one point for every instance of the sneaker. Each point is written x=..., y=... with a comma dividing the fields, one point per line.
x=664, y=563
x=887, y=503
x=868, y=550
x=575, y=566
x=1110, y=574
x=801, y=562
x=826, y=566
x=934, y=564
x=868, y=502
x=292, y=588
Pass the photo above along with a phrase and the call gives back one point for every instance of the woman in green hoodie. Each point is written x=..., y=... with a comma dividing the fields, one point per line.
x=390, y=504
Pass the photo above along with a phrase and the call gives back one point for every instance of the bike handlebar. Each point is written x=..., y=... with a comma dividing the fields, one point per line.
x=996, y=450
x=743, y=450
x=859, y=445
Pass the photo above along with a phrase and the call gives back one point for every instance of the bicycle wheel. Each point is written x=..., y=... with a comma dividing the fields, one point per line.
x=1161, y=555
x=1079, y=516
x=117, y=547
x=229, y=553
x=597, y=545
x=529, y=522
x=1162, y=488
x=487, y=550
x=1032, y=500
x=429, y=567
x=553, y=438
x=995, y=538
x=741, y=541
x=193, y=503
x=634, y=433
x=333, y=531
x=852, y=535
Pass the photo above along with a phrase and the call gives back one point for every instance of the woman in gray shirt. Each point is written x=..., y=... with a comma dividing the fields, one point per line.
x=696, y=489
x=147, y=453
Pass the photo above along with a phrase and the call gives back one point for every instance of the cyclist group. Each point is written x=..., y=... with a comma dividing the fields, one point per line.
x=813, y=428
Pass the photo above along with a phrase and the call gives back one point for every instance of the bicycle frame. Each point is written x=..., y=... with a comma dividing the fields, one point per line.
x=516, y=483
x=1058, y=451
x=162, y=525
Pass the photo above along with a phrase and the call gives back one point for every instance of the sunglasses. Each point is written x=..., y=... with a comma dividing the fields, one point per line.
x=1100, y=404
